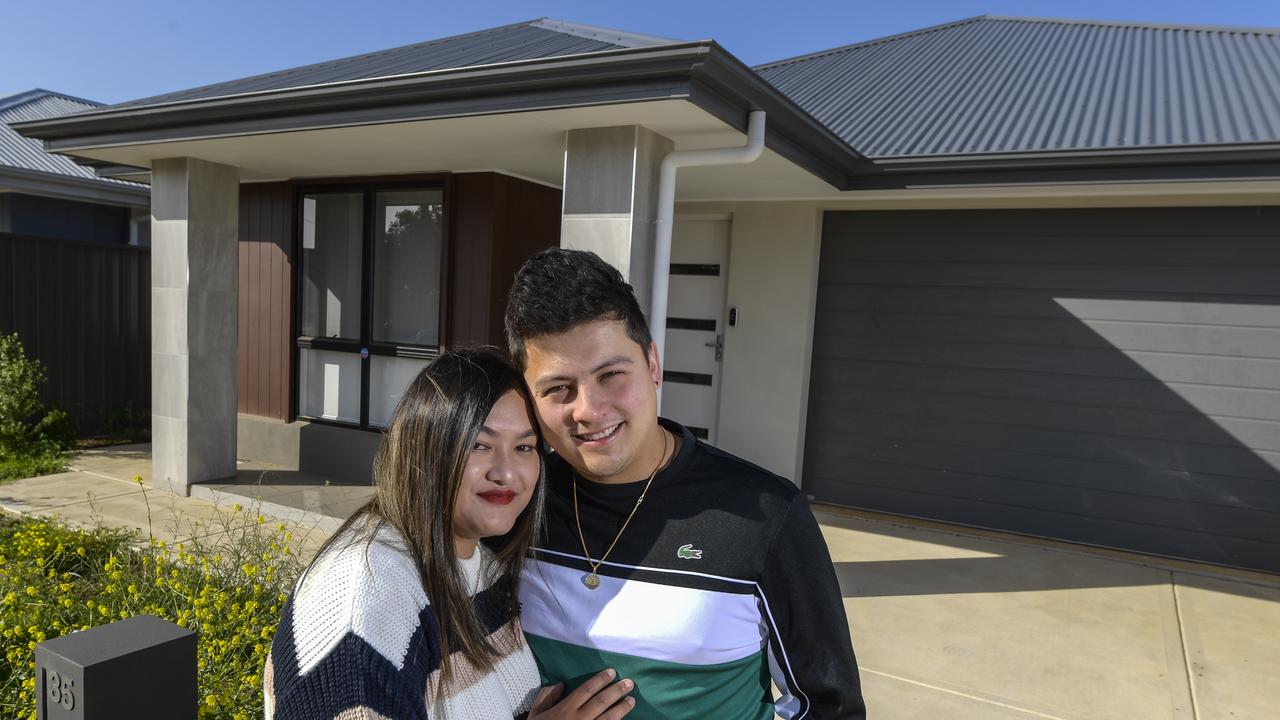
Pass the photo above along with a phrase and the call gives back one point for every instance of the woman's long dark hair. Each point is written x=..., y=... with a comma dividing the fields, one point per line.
x=418, y=471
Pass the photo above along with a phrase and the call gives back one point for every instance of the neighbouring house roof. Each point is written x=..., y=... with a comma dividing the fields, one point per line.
x=542, y=38
x=26, y=167
x=992, y=85
x=17, y=151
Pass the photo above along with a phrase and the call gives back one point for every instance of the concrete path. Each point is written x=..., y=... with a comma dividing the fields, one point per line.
x=947, y=623
x=101, y=489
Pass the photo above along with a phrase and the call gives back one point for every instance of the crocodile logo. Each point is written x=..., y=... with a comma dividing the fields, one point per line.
x=686, y=552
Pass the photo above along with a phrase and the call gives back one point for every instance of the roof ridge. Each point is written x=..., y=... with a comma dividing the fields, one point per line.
x=1026, y=19
x=625, y=38
x=323, y=63
x=873, y=41
x=1140, y=24
x=27, y=96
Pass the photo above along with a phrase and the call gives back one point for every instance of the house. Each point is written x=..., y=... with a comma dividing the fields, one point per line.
x=1004, y=272
x=47, y=195
x=75, y=267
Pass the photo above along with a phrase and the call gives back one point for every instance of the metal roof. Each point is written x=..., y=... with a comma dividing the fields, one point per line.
x=542, y=38
x=991, y=85
x=18, y=152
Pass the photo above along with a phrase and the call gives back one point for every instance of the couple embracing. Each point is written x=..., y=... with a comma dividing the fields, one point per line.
x=629, y=571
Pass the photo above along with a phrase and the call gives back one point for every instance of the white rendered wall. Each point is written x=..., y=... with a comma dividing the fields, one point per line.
x=773, y=281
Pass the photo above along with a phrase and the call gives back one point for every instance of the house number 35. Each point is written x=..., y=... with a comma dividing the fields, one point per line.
x=61, y=690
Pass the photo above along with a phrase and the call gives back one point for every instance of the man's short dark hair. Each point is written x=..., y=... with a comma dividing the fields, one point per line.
x=557, y=290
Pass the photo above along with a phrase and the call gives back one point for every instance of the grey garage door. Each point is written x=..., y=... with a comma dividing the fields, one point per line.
x=1109, y=377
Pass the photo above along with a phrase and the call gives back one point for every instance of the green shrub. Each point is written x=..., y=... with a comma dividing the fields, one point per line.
x=228, y=587
x=32, y=466
x=26, y=430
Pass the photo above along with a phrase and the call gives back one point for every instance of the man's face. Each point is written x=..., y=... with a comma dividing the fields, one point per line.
x=594, y=389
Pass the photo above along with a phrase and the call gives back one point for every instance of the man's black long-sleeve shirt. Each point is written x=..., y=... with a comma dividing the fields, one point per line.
x=721, y=582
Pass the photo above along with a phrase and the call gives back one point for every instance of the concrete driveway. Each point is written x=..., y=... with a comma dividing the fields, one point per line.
x=951, y=623
x=947, y=622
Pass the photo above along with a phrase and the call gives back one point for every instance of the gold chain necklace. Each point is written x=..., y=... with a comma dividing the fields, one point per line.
x=592, y=579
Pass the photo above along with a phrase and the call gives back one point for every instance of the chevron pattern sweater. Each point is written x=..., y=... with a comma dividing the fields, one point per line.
x=359, y=641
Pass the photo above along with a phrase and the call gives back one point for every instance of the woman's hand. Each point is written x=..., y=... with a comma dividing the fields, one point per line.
x=596, y=699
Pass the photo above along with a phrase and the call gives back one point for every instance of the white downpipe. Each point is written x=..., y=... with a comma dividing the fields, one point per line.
x=666, y=218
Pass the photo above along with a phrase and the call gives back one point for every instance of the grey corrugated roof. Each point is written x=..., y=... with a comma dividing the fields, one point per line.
x=541, y=38
x=1000, y=85
x=23, y=153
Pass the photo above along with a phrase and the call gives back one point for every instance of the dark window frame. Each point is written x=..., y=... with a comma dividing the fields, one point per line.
x=368, y=189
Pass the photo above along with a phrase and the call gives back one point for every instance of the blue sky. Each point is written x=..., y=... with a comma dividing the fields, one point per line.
x=123, y=49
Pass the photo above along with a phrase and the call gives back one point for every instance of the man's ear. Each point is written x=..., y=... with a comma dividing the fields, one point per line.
x=655, y=365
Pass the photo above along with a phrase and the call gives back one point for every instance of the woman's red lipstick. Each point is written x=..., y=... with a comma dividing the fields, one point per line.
x=498, y=497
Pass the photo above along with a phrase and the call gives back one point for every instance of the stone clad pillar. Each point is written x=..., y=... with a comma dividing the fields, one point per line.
x=195, y=209
x=611, y=198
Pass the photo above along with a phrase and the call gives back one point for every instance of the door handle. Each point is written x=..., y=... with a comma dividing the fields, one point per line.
x=718, y=345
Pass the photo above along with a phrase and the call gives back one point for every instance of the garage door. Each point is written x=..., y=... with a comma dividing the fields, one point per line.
x=1109, y=377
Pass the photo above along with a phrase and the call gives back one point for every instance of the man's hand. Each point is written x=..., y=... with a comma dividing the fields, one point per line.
x=596, y=699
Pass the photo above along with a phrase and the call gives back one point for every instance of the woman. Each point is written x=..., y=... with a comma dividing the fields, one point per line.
x=403, y=613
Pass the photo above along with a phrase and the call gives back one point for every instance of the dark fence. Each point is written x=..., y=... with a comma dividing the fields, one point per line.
x=84, y=310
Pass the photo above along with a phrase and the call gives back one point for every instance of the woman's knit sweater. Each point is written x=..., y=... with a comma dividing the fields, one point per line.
x=359, y=641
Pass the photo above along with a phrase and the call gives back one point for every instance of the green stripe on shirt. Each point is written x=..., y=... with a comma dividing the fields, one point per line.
x=736, y=689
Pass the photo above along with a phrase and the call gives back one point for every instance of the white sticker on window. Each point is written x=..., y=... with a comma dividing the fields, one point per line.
x=331, y=374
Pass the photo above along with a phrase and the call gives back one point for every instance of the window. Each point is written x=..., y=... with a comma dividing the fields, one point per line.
x=371, y=283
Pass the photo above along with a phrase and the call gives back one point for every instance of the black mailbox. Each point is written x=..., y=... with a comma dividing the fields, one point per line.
x=140, y=668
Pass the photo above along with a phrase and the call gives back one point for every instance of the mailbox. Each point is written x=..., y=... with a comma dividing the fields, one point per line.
x=140, y=668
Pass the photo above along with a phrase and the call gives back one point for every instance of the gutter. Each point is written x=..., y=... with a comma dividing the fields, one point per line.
x=67, y=187
x=666, y=218
x=1222, y=161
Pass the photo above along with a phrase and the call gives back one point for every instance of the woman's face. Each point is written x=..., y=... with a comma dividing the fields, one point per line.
x=500, y=477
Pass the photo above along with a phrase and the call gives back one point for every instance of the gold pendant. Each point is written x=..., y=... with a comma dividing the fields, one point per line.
x=591, y=580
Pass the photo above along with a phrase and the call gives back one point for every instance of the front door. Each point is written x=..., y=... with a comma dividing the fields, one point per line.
x=695, y=322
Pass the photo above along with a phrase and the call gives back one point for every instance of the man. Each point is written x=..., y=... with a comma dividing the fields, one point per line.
x=688, y=570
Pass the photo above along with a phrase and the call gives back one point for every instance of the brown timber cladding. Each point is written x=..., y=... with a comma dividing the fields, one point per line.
x=497, y=222
x=84, y=310
x=266, y=300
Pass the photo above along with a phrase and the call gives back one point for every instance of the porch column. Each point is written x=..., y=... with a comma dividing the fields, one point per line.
x=611, y=198
x=195, y=209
